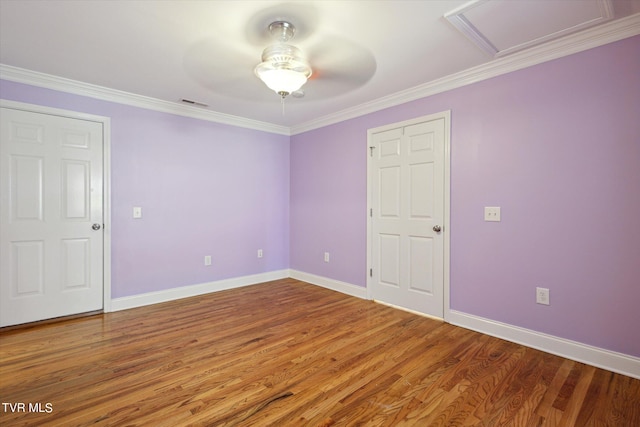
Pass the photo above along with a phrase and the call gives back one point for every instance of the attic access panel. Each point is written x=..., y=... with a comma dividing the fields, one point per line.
x=501, y=27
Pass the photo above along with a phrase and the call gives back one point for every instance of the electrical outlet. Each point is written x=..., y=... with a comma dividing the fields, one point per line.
x=326, y=257
x=137, y=212
x=542, y=296
x=492, y=213
x=207, y=260
x=260, y=253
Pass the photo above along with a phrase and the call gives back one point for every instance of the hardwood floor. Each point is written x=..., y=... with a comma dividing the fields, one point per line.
x=287, y=353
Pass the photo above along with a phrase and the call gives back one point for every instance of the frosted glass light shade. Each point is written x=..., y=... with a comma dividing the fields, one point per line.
x=283, y=69
x=283, y=80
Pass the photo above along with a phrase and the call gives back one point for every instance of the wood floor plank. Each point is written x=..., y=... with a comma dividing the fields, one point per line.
x=286, y=353
x=576, y=401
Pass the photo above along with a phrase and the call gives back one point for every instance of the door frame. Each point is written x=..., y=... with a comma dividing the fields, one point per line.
x=106, y=181
x=446, y=227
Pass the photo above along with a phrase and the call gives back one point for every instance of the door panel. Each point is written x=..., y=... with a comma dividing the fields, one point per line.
x=407, y=200
x=51, y=188
x=76, y=258
x=389, y=260
x=420, y=264
x=75, y=190
x=28, y=268
x=390, y=192
x=421, y=190
x=27, y=184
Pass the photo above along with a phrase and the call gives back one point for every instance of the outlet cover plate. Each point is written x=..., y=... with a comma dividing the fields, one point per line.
x=492, y=213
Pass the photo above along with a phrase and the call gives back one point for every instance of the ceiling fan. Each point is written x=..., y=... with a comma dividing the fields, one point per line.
x=283, y=69
x=326, y=63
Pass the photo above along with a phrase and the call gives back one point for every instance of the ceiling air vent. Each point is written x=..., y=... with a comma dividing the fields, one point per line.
x=195, y=103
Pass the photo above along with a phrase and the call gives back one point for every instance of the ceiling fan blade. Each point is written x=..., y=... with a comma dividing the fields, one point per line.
x=225, y=70
x=339, y=66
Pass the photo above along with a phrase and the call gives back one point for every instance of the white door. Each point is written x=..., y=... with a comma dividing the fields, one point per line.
x=407, y=183
x=51, y=218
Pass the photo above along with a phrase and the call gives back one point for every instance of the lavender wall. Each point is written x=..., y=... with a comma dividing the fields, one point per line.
x=205, y=189
x=557, y=146
x=328, y=202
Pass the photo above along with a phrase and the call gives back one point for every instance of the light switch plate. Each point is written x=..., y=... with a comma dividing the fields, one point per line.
x=137, y=212
x=492, y=213
x=542, y=296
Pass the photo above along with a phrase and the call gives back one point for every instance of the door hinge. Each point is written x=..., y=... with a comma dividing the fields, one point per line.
x=371, y=272
x=371, y=151
x=371, y=212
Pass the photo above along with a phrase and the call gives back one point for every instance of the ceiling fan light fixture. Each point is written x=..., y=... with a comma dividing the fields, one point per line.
x=283, y=81
x=283, y=68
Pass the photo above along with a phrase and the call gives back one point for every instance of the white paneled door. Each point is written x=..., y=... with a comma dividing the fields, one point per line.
x=51, y=218
x=407, y=201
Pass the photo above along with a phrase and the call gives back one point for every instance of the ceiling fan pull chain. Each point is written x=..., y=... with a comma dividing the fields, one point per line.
x=282, y=102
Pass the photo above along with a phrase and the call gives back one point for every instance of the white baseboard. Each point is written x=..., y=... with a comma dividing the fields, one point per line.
x=133, y=301
x=601, y=358
x=336, y=285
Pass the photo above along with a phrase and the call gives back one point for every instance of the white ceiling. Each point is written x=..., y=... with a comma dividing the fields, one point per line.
x=205, y=51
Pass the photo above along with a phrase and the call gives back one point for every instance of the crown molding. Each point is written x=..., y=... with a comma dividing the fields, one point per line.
x=34, y=78
x=597, y=36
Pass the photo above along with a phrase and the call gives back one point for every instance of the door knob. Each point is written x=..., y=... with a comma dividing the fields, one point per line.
x=96, y=226
x=437, y=228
